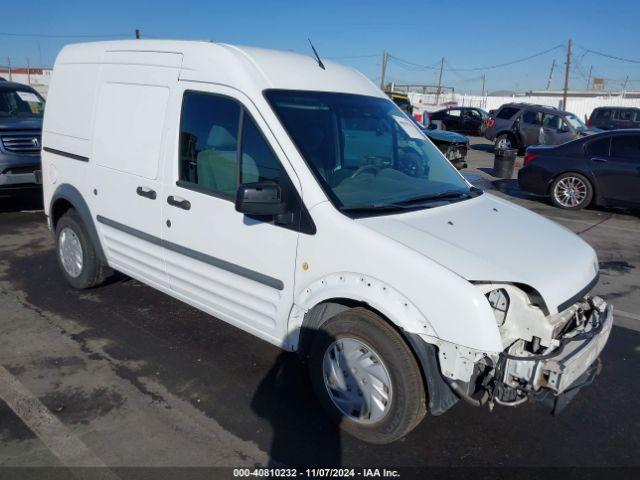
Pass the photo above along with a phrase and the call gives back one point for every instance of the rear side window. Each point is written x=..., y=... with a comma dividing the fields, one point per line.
x=507, y=112
x=220, y=146
x=626, y=146
x=599, y=148
x=603, y=114
x=532, y=118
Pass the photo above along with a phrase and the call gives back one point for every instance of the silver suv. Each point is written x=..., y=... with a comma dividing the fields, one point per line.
x=21, y=111
x=520, y=125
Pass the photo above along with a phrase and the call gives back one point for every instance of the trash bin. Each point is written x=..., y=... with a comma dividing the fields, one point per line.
x=504, y=162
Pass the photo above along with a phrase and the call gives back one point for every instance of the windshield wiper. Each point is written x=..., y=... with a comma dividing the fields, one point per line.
x=413, y=202
x=372, y=207
x=446, y=195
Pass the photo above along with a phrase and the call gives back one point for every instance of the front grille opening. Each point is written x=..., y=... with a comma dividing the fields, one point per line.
x=23, y=143
x=21, y=169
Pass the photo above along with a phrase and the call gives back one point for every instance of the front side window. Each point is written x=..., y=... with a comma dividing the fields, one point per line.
x=574, y=122
x=209, y=142
x=453, y=113
x=364, y=151
x=551, y=121
x=20, y=104
x=625, y=115
x=220, y=146
x=474, y=114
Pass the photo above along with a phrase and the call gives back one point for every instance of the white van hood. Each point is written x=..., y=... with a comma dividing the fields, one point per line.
x=489, y=239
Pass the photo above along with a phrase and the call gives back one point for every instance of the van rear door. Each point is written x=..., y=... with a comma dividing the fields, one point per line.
x=127, y=145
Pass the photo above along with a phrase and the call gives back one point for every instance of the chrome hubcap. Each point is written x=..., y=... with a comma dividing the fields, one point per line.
x=570, y=192
x=357, y=381
x=70, y=251
x=504, y=143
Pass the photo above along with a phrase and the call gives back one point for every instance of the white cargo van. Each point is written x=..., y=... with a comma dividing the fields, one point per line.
x=291, y=198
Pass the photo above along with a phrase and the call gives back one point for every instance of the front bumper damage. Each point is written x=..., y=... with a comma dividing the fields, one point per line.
x=551, y=374
x=570, y=365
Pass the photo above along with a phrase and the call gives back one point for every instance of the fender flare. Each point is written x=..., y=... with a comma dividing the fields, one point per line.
x=358, y=288
x=71, y=194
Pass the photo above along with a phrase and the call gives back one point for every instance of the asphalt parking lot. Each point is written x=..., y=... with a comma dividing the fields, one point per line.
x=123, y=375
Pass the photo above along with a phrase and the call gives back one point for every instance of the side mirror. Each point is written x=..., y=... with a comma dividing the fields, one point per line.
x=260, y=199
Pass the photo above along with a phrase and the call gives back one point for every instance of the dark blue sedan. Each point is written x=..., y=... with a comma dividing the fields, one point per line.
x=601, y=169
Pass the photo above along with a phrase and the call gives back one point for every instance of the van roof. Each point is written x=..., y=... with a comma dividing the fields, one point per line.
x=238, y=66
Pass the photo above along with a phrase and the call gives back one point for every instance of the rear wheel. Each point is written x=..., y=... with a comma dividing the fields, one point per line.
x=503, y=141
x=366, y=377
x=571, y=191
x=76, y=254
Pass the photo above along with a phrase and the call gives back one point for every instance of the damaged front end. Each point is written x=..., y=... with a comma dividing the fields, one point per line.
x=547, y=358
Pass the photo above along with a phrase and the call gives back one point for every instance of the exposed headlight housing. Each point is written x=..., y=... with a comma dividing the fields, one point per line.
x=499, y=301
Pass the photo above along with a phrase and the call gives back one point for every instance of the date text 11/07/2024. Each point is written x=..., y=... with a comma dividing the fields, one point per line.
x=316, y=473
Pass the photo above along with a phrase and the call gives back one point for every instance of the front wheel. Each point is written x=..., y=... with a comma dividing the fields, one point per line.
x=571, y=191
x=366, y=377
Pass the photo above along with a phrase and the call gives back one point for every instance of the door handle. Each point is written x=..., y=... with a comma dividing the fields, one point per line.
x=146, y=192
x=179, y=202
x=599, y=159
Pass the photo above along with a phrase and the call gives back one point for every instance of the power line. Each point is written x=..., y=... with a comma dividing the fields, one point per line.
x=42, y=35
x=613, y=57
x=407, y=65
x=512, y=62
x=411, y=66
x=348, y=57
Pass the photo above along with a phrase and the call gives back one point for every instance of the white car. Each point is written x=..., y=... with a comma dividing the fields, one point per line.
x=290, y=197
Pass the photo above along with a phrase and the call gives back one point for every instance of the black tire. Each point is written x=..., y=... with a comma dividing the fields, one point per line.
x=556, y=198
x=93, y=271
x=507, y=138
x=408, y=402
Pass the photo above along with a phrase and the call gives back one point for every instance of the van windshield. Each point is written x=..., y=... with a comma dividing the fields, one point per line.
x=366, y=153
x=20, y=104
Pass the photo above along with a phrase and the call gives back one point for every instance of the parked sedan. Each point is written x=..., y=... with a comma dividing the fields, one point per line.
x=469, y=120
x=602, y=169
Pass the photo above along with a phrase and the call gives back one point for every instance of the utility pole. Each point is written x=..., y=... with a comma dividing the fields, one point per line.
x=483, y=80
x=9, y=63
x=589, y=77
x=137, y=34
x=566, y=76
x=439, y=82
x=28, y=72
x=40, y=54
x=384, y=69
x=553, y=66
x=624, y=87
